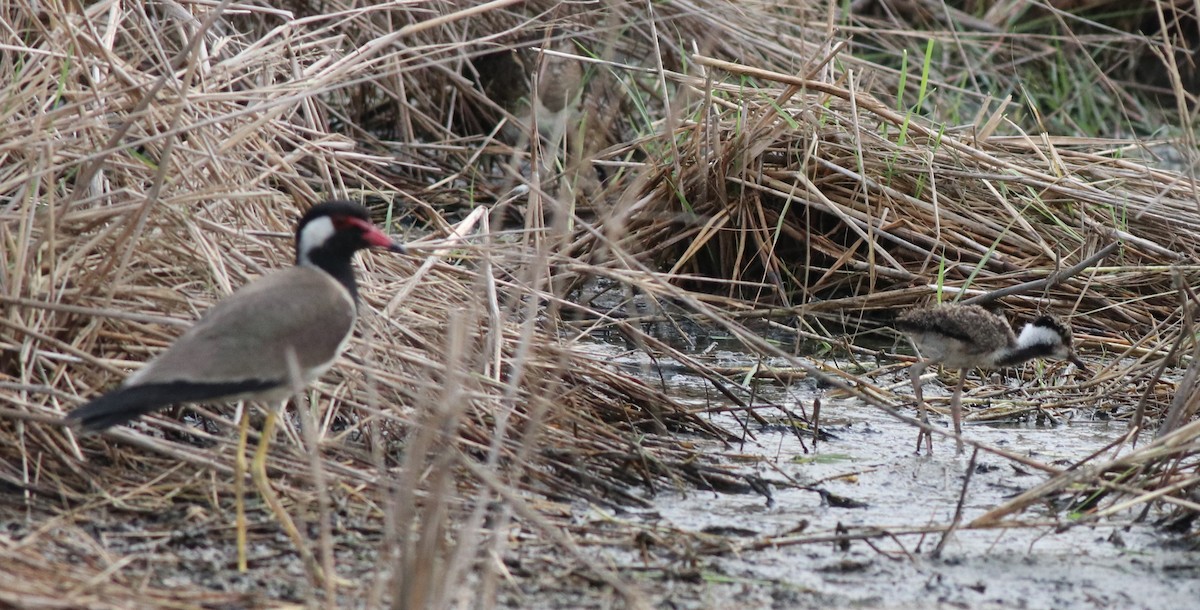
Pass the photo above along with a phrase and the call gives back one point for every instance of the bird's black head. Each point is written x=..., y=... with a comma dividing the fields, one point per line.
x=1055, y=335
x=336, y=230
x=331, y=232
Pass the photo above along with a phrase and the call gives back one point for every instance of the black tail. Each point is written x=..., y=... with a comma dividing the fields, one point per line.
x=127, y=403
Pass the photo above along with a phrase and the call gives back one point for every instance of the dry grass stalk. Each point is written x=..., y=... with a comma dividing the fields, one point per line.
x=154, y=156
x=159, y=169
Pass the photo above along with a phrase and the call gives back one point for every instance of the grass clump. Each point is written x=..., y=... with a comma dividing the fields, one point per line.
x=714, y=163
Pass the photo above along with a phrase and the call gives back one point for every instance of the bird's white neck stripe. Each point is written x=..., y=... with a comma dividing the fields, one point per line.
x=1038, y=335
x=312, y=236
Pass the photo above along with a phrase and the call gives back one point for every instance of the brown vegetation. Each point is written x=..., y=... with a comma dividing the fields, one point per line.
x=723, y=162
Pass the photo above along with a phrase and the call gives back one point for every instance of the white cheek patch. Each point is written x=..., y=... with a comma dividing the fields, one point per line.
x=314, y=235
x=1038, y=335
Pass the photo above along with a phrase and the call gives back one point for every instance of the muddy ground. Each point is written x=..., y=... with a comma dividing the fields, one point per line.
x=774, y=548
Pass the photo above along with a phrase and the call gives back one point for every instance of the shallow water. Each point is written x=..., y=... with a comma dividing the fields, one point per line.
x=769, y=560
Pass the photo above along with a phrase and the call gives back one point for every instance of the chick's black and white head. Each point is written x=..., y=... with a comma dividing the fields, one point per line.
x=335, y=230
x=1053, y=336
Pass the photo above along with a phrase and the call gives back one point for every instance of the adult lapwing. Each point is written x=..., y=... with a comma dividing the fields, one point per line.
x=275, y=334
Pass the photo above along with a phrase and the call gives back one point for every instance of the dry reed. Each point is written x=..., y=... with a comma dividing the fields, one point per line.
x=155, y=156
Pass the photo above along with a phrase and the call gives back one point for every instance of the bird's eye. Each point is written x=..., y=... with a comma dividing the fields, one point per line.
x=346, y=222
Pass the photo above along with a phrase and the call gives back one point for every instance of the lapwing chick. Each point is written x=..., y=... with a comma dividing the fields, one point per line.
x=268, y=338
x=969, y=336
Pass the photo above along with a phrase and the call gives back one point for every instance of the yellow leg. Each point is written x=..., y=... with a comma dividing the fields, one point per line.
x=258, y=470
x=239, y=486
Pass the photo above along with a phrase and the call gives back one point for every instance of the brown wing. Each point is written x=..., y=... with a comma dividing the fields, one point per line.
x=977, y=330
x=247, y=335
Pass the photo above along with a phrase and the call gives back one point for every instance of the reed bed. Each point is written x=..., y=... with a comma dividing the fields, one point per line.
x=716, y=166
x=154, y=162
